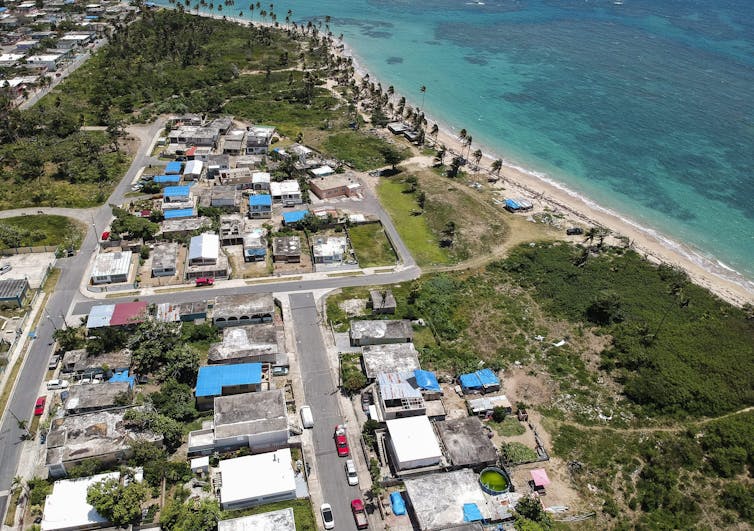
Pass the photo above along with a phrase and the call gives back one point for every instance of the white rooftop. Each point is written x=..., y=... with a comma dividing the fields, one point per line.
x=42, y=58
x=66, y=507
x=259, y=177
x=205, y=246
x=281, y=520
x=193, y=167
x=413, y=439
x=285, y=187
x=322, y=171
x=109, y=264
x=254, y=476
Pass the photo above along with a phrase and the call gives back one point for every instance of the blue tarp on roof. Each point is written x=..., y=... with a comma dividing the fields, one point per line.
x=399, y=506
x=179, y=213
x=162, y=179
x=479, y=379
x=295, y=216
x=426, y=380
x=212, y=378
x=123, y=376
x=513, y=205
x=487, y=377
x=471, y=513
x=470, y=381
x=100, y=316
x=173, y=167
x=177, y=191
x=260, y=200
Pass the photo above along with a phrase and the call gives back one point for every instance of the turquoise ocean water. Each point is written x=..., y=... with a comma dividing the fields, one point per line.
x=646, y=107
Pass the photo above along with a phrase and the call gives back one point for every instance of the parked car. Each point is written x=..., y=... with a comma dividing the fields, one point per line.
x=341, y=441
x=53, y=362
x=574, y=231
x=5, y=268
x=205, y=281
x=359, y=514
x=39, y=407
x=57, y=384
x=351, y=474
x=279, y=371
x=327, y=517
x=307, y=420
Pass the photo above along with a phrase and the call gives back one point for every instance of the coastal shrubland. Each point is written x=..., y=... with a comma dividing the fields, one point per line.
x=25, y=231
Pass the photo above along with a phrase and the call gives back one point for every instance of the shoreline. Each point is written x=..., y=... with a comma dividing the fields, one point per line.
x=555, y=197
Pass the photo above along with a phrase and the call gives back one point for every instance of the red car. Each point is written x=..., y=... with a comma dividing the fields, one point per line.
x=341, y=441
x=39, y=407
x=359, y=514
x=205, y=281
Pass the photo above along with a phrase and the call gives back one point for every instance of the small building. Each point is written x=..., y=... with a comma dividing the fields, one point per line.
x=485, y=406
x=382, y=301
x=371, y=332
x=192, y=135
x=286, y=249
x=412, y=443
x=335, y=186
x=397, y=128
x=111, y=268
x=258, y=139
x=237, y=310
x=466, y=443
x=224, y=380
x=235, y=142
x=408, y=394
x=176, y=228
x=260, y=206
x=95, y=397
x=176, y=194
x=169, y=312
x=102, y=435
x=173, y=168
x=280, y=520
x=518, y=205
x=216, y=164
x=295, y=216
x=255, y=246
x=167, y=180
x=302, y=152
x=256, y=479
x=48, y=61
x=330, y=249
x=286, y=192
x=250, y=161
x=13, y=291
x=321, y=171
x=231, y=229
x=246, y=344
x=481, y=381
x=193, y=170
x=204, y=249
x=10, y=59
x=80, y=363
x=260, y=180
x=257, y=421
x=224, y=197
x=241, y=178
x=165, y=259
x=437, y=501
x=123, y=314
x=396, y=357
x=66, y=508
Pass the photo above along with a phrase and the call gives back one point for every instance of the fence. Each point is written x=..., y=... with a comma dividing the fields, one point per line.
x=29, y=250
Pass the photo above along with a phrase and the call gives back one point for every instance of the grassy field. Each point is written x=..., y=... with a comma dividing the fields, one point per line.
x=362, y=151
x=509, y=427
x=414, y=230
x=302, y=513
x=371, y=245
x=41, y=230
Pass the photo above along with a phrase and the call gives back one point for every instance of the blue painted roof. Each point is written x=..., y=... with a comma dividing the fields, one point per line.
x=426, y=380
x=100, y=316
x=176, y=191
x=212, y=378
x=295, y=216
x=173, y=167
x=123, y=376
x=471, y=513
x=260, y=200
x=167, y=179
x=179, y=213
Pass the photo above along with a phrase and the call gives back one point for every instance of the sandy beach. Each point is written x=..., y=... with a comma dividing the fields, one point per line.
x=548, y=194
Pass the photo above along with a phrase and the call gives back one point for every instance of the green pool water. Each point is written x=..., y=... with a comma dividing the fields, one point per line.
x=493, y=480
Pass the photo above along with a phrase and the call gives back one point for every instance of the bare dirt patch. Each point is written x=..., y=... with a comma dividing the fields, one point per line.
x=353, y=307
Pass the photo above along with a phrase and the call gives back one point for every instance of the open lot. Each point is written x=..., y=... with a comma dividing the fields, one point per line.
x=371, y=246
x=32, y=266
x=28, y=231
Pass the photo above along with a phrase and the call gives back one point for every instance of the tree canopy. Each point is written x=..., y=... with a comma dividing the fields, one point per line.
x=119, y=502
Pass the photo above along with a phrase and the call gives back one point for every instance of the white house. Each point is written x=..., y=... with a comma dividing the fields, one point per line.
x=111, y=267
x=286, y=192
x=260, y=180
x=193, y=170
x=256, y=480
x=413, y=443
x=204, y=249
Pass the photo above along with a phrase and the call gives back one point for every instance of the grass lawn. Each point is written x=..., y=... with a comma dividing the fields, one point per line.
x=371, y=245
x=510, y=427
x=302, y=513
x=363, y=152
x=41, y=230
x=414, y=230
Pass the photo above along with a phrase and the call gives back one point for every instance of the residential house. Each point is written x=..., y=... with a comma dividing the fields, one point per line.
x=286, y=192
x=286, y=249
x=205, y=259
x=258, y=139
x=255, y=246
x=260, y=206
x=247, y=344
x=371, y=332
x=235, y=142
x=224, y=380
x=165, y=259
x=256, y=480
x=330, y=249
x=260, y=181
x=238, y=310
x=111, y=268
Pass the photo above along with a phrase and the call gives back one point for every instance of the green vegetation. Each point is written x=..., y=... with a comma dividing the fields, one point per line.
x=24, y=231
x=371, y=246
x=363, y=152
x=516, y=452
x=302, y=513
x=413, y=229
x=182, y=514
x=119, y=502
x=351, y=376
x=509, y=427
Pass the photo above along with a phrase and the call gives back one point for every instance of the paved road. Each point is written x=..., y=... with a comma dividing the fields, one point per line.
x=321, y=395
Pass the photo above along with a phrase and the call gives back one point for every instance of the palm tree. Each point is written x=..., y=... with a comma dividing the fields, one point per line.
x=469, y=139
x=441, y=152
x=462, y=134
x=496, y=166
x=477, y=157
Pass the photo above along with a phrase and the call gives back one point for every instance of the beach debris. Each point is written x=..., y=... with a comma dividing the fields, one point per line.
x=559, y=343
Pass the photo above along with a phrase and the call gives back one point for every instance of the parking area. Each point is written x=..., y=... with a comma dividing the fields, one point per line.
x=31, y=266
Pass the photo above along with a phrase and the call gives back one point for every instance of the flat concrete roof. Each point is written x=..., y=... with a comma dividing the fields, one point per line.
x=256, y=476
x=381, y=329
x=250, y=413
x=286, y=245
x=185, y=225
x=281, y=520
x=109, y=264
x=165, y=255
x=249, y=305
x=250, y=340
x=96, y=396
x=382, y=299
x=119, y=359
x=413, y=439
x=466, y=442
x=394, y=357
x=66, y=506
x=438, y=499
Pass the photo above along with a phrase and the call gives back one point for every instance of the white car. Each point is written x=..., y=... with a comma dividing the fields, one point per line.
x=327, y=518
x=57, y=384
x=351, y=474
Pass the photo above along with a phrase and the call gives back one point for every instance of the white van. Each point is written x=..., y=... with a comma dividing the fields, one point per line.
x=57, y=384
x=307, y=420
